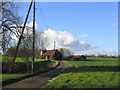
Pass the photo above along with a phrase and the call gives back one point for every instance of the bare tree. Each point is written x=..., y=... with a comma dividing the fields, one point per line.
x=66, y=52
x=10, y=20
x=9, y=24
x=44, y=41
x=41, y=43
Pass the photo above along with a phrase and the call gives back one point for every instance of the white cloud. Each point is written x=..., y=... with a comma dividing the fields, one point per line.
x=114, y=25
x=82, y=42
x=111, y=52
x=30, y=30
x=66, y=40
x=83, y=36
x=100, y=52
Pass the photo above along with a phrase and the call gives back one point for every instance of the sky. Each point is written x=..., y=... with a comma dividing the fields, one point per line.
x=83, y=27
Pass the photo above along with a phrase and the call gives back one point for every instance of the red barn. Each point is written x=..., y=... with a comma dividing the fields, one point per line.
x=78, y=57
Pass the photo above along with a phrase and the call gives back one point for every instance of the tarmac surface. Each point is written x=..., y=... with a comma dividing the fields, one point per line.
x=39, y=80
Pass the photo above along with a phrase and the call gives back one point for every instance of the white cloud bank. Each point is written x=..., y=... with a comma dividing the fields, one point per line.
x=108, y=52
x=66, y=40
x=83, y=36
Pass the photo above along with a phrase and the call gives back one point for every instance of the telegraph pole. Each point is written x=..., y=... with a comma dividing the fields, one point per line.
x=20, y=38
x=33, y=37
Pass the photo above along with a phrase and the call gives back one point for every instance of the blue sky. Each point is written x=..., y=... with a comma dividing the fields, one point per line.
x=97, y=20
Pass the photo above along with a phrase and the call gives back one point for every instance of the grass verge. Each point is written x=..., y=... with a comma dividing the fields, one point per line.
x=40, y=67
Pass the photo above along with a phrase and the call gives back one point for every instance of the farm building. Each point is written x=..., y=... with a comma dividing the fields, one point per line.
x=53, y=55
x=78, y=57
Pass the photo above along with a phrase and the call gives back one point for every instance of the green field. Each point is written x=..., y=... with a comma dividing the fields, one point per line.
x=92, y=73
x=9, y=59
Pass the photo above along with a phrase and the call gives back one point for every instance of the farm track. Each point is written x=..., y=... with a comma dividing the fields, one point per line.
x=39, y=80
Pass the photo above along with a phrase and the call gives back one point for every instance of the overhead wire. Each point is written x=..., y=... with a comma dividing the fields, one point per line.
x=42, y=15
x=40, y=10
x=59, y=7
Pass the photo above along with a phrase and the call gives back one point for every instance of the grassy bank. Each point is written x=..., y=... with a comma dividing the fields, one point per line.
x=18, y=59
x=20, y=68
x=11, y=76
x=92, y=73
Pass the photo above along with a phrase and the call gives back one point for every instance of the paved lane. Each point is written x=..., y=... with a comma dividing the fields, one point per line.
x=39, y=80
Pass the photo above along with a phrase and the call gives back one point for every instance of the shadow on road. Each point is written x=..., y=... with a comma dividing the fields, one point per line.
x=92, y=60
x=92, y=69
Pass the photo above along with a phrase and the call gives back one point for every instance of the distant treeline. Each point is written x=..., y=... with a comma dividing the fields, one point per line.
x=104, y=56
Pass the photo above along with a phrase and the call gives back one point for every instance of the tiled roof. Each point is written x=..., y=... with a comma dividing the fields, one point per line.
x=77, y=56
x=50, y=52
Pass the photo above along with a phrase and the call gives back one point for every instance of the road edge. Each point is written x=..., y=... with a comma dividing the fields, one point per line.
x=10, y=81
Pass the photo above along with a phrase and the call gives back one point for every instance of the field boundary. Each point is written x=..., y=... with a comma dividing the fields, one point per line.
x=10, y=81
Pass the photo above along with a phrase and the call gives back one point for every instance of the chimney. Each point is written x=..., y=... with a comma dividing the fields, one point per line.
x=54, y=45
